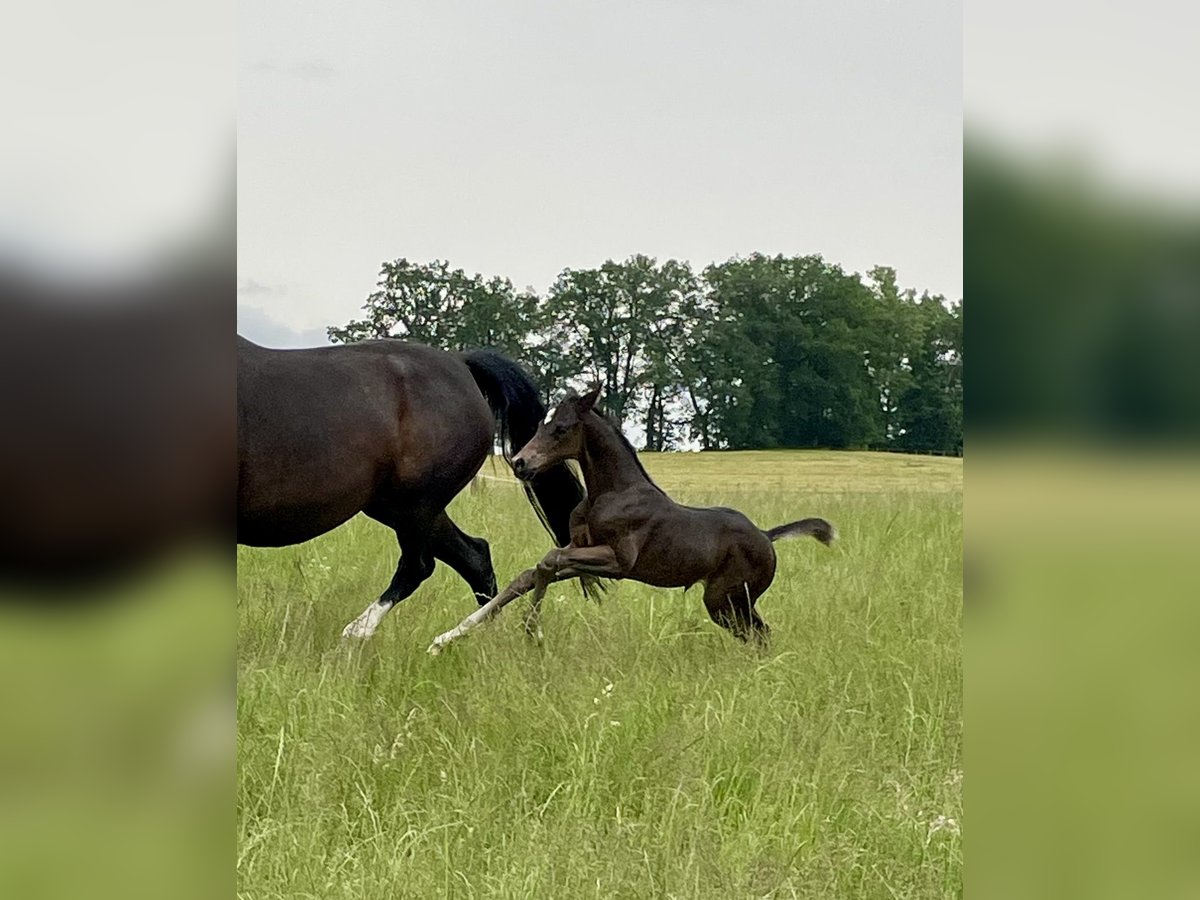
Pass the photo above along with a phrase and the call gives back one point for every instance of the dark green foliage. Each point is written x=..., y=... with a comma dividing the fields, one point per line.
x=760, y=352
x=434, y=304
x=1088, y=312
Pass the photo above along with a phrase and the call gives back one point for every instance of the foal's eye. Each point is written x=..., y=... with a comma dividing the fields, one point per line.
x=559, y=430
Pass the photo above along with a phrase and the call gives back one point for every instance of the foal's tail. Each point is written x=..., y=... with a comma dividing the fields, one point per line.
x=820, y=529
x=518, y=409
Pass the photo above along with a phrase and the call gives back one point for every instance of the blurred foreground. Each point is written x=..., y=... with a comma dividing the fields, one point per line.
x=116, y=582
x=1080, y=661
x=117, y=244
x=116, y=755
x=1082, y=590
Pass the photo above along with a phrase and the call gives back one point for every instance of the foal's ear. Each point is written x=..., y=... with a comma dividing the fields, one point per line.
x=588, y=400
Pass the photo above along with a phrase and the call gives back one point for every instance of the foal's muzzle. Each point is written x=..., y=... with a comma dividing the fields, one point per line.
x=522, y=469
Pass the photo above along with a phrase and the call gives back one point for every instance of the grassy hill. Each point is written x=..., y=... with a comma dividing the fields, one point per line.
x=640, y=752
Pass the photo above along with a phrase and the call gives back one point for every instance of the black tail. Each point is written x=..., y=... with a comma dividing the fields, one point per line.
x=818, y=528
x=518, y=409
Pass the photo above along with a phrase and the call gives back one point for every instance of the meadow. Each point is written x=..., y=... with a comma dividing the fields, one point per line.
x=639, y=752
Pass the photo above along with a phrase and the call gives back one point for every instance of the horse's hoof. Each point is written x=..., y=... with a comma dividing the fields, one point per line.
x=358, y=630
x=367, y=622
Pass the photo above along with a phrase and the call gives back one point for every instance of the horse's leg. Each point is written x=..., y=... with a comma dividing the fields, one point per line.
x=568, y=562
x=729, y=598
x=416, y=564
x=519, y=586
x=581, y=536
x=533, y=617
x=469, y=556
x=558, y=565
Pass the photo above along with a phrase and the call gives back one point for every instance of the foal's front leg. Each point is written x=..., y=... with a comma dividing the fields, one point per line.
x=581, y=536
x=522, y=584
x=561, y=564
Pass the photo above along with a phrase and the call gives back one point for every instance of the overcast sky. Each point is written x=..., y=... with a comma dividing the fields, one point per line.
x=518, y=138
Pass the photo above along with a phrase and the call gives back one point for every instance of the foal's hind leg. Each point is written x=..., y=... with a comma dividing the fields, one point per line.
x=469, y=556
x=730, y=601
x=416, y=564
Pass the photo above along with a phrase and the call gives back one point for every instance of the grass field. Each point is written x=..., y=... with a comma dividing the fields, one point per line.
x=640, y=752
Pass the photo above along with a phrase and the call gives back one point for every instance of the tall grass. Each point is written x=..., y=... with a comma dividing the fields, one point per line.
x=640, y=752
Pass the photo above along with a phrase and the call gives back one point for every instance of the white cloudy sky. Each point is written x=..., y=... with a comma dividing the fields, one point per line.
x=521, y=137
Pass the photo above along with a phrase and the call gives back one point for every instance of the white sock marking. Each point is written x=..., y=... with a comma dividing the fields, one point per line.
x=364, y=626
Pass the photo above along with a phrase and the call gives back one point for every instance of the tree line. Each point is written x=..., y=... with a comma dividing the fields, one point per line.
x=752, y=353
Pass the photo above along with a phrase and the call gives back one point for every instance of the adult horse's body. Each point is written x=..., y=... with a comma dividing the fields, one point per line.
x=394, y=430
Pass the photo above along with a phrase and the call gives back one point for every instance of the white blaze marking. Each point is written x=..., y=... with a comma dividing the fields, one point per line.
x=549, y=416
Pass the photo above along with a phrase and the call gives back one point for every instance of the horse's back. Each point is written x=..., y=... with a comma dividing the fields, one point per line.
x=324, y=432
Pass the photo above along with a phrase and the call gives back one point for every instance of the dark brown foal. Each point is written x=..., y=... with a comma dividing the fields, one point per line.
x=627, y=527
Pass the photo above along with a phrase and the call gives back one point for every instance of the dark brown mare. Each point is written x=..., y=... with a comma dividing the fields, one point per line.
x=629, y=528
x=391, y=429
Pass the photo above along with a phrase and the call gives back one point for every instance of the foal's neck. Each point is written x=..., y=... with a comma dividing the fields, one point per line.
x=608, y=463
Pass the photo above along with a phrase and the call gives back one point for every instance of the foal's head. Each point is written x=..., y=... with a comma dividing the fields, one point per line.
x=559, y=437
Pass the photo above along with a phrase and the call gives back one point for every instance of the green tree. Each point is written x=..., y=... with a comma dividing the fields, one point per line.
x=930, y=414
x=435, y=304
x=761, y=351
x=676, y=305
x=613, y=324
x=796, y=370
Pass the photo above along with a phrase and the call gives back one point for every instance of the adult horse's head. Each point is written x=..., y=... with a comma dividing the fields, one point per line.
x=558, y=438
